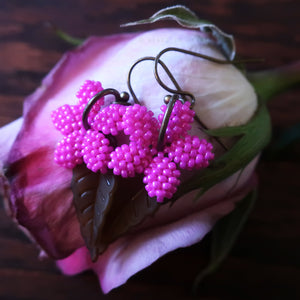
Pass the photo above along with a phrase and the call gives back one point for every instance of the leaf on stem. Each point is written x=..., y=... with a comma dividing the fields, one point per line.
x=74, y=41
x=186, y=18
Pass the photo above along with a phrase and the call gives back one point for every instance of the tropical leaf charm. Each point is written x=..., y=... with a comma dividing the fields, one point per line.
x=107, y=206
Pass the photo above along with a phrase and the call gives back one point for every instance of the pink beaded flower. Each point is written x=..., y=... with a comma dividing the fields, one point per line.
x=180, y=151
x=93, y=146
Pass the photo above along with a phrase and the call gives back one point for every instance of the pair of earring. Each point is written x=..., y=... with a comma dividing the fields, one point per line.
x=159, y=148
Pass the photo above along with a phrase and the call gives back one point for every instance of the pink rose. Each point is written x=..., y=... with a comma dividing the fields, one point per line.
x=37, y=190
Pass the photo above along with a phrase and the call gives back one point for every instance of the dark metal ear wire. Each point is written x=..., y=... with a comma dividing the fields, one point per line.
x=170, y=101
x=135, y=99
x=121, y=98
x=183, y=93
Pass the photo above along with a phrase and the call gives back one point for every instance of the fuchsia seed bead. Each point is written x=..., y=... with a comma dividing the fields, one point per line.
x=180, y=121
x=95, y=156
x=157, y=179
x=67, y=119
x=140, y=125
x=66, y=152
x=127, y=158
x=109, y=119
x=190, y=152
x=86, y=92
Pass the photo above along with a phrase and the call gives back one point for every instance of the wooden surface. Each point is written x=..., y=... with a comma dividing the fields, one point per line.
x=265, y=262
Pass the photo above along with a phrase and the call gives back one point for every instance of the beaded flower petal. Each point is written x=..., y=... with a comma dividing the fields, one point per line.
x=129, y=160
x=86, y=92
x=141, y=126
x=180, y=121
x=68, y=120
x=161, y=178
x=190, y=152
x=96, y=150
x=110, y=119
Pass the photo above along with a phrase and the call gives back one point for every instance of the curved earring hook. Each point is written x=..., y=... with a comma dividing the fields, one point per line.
x=135, y=99
x=165, y=121
x=183, y=93
x=120, y=98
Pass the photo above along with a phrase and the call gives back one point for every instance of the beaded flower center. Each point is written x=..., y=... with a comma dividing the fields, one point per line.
x=94, y=146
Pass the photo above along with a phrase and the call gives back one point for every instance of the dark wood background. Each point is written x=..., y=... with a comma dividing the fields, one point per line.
x=265, y=262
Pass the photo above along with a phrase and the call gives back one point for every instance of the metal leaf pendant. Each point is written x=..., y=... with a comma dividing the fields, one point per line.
x=108, y=206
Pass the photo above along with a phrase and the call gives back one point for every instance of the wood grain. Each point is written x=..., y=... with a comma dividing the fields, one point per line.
x=265, y=263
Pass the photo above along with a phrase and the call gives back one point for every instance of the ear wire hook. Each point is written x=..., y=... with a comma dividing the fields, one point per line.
x=165, y=121
x=135, y=99
x=178, y=91
x=120, y=98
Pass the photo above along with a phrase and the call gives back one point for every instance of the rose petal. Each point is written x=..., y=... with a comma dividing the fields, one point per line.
x=8, y=134
x=133, y=253
x=136, y=251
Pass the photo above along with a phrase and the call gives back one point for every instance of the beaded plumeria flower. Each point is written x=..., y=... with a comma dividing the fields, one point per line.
x=129, y=140
x=178, y=150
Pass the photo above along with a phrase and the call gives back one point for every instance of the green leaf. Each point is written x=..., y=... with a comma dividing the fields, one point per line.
x=74, y=41
x=225, y=233
x=227, y=131
x=269, y=83
x=255, y=135
x=186, y=18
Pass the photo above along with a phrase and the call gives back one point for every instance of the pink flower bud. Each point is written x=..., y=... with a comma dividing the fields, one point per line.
x=37, y=190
